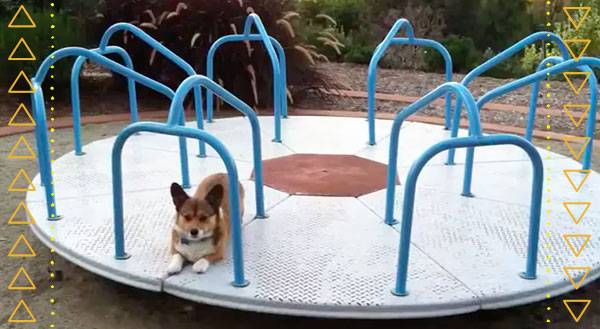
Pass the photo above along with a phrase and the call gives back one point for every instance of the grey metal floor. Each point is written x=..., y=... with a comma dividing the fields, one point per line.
x=323, y=256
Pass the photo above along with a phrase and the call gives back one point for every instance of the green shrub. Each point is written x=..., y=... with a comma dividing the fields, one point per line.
x=462, y=49
x=344, y=22
x=66, y=33
x=349, y=15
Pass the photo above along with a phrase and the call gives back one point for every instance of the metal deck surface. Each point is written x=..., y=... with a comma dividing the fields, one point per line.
x=329, y=256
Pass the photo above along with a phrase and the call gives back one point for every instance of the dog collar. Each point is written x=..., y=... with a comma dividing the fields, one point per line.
x=187, y=242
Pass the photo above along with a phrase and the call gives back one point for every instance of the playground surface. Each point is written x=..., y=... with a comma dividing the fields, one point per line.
x=91, y=131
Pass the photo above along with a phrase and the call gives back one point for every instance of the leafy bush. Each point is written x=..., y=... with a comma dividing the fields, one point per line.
x=321, y=34
x=189, y=29
x=348, y=26
x=588, y=30
x=462, y=49
x=349, y=15
x=66, y=33
x=534, y=54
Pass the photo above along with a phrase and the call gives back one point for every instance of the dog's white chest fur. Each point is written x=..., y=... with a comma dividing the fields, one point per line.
x=194, y=251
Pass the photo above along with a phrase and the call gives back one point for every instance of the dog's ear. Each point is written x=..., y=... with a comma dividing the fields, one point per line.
x=179, y=196
x=215, y=197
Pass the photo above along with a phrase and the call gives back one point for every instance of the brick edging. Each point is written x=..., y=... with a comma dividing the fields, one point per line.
x=441, y=102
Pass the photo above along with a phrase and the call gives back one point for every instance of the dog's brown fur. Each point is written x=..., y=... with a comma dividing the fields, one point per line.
x=206, y=211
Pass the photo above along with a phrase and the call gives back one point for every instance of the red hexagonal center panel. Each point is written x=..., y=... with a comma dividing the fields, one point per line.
x=324, y=175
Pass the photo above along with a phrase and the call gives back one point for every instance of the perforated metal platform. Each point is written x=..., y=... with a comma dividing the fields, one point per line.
x=329, y=256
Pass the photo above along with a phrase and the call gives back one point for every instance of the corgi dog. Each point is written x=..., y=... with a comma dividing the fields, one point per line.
x=200, y=234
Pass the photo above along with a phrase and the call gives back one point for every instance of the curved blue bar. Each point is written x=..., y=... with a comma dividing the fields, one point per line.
x=39, y=109
x=389, y=40
x=538, y=76
x=591, y=123
x=139, y=33
x=590, y=62
x=277, y=62
x=170, y=55
x=176, y=112
x=239, y=279
x=515, y=49
x=75, y=104
x=110, y=64
x=471, y=141
x=461, y=92
x=502, y=56
x=237, y=38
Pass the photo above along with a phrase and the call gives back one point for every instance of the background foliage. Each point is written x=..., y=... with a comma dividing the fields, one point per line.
x=310, y=30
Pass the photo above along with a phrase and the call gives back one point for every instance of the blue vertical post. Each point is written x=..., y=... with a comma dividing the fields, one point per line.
x=199, y=120
x=43, y=147
x=183, y=156
x=591, y=120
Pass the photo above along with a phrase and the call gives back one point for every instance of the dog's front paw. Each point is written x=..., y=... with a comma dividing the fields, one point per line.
x=175, y=265
x=201, y=266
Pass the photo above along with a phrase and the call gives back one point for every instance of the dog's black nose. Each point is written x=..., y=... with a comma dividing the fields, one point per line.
x=194, y=232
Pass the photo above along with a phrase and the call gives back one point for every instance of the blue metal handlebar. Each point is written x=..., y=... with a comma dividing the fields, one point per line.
x=590, y=62
x=389, y=40
x=39, y=111
x=591, y=123
x=171, y=56
x=471, y=142
x=75, y=102
x=450, y=88
x=239, y=279
x=499, y=58
x=277, y=58
x=176, y=116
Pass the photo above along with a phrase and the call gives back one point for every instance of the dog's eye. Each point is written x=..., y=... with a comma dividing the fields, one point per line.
x=188, y=218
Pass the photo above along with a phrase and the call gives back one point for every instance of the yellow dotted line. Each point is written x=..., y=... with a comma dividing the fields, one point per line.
x=549, y=148
x=52, y=262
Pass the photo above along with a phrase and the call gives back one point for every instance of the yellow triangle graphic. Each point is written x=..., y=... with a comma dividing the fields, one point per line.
x=21, y=10
x=583, y=140
x=586, y=109
x=585, y=44
x=21, y=175
x=21, y=274
x=568, y=269
x=577, y=219
x=569, y=11
x=13, y=251
x=21, y=75
x=21, y=219
x=568, y=75
x=22, y=108
x=22, y=142
x=577, y=251
x=569, y=302
x=21, y=43
x=586, y=174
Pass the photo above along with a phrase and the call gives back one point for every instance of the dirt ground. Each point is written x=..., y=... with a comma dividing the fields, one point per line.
x=85, y=300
